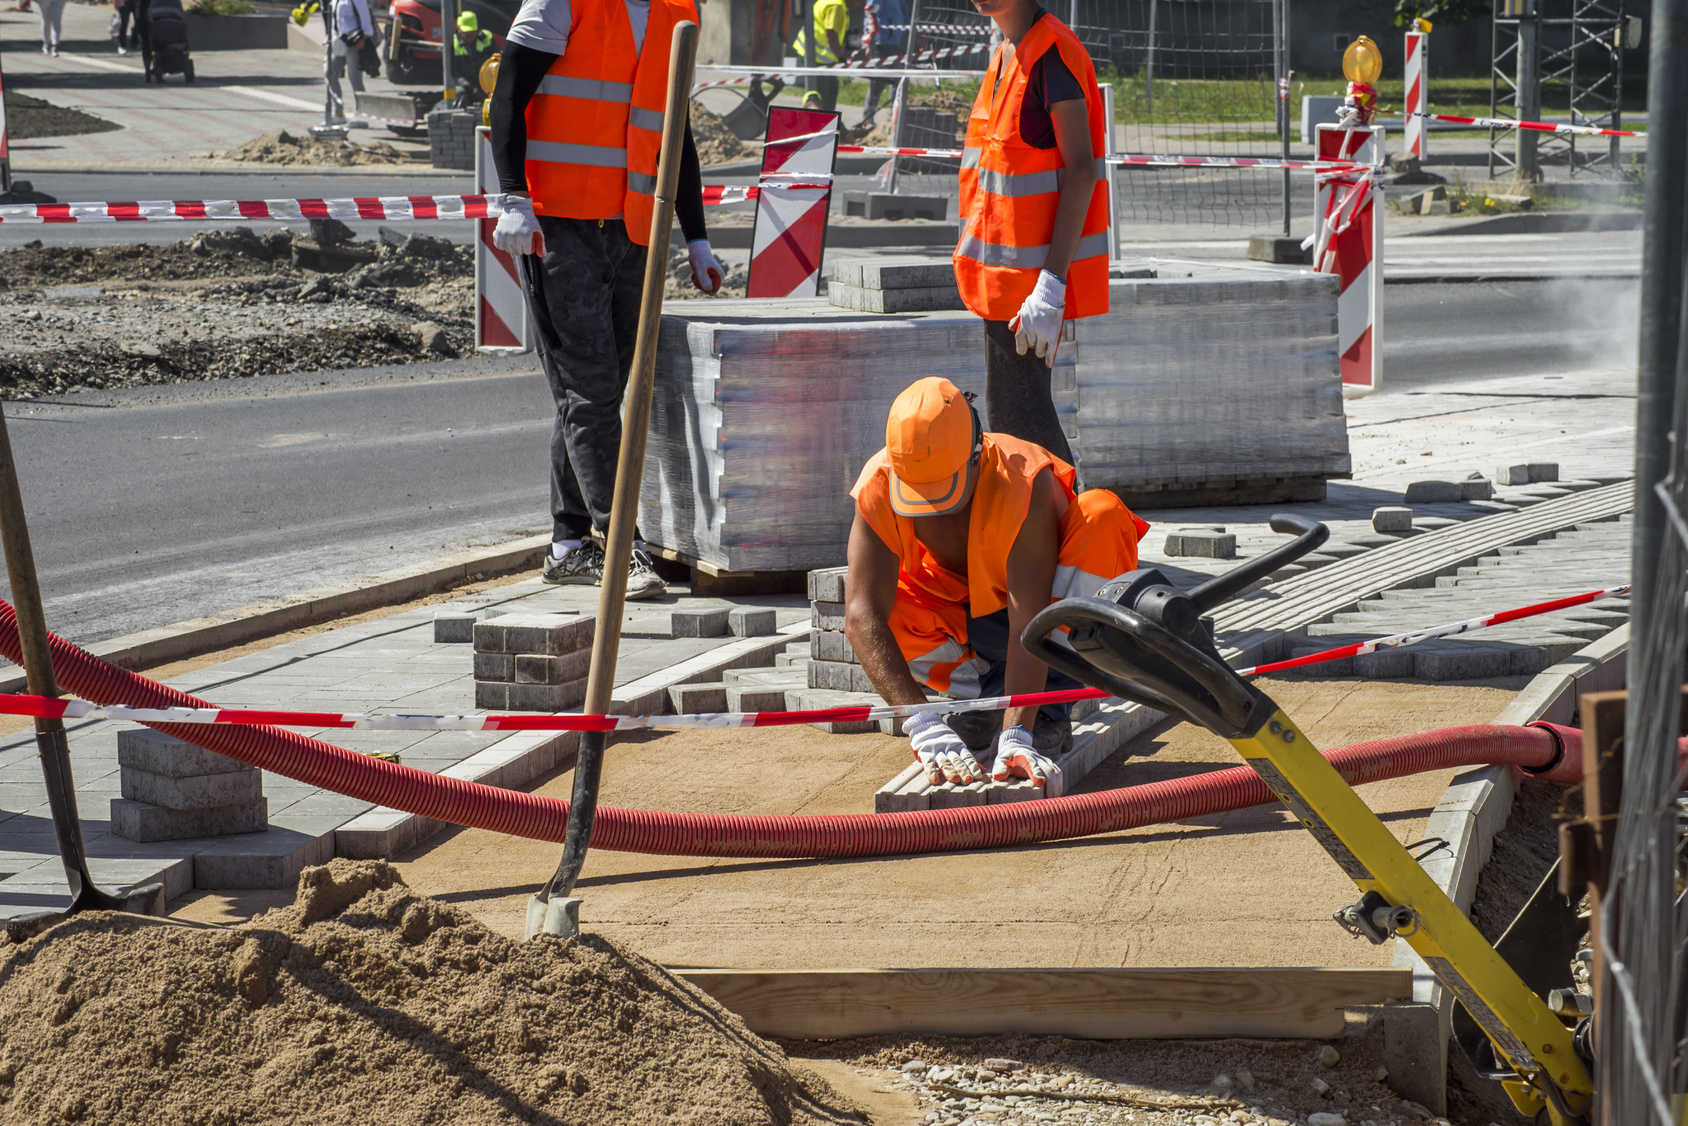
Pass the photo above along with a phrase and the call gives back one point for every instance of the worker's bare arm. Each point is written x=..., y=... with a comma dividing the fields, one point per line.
x=1031, y=579
x=869, y=596
x=1071, y=119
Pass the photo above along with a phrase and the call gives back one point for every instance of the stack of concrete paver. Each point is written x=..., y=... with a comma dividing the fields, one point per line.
x=532, y=662
x=451, y=138
x=891, y=285
x=174, y=790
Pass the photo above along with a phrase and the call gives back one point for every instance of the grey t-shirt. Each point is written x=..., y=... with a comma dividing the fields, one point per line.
x=544, y=25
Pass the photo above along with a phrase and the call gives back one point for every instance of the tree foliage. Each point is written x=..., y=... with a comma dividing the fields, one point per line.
x=1438, y=11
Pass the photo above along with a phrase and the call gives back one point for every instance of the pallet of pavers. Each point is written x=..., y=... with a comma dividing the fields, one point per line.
x=836, y=680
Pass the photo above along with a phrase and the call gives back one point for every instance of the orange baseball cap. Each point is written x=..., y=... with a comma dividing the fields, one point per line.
x=931, y=438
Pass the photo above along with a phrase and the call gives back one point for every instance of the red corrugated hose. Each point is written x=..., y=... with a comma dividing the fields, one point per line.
x=1547, y=750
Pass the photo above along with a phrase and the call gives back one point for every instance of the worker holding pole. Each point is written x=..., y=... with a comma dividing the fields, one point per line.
x=1034, y=204
x=576, y=119
x=961, y=537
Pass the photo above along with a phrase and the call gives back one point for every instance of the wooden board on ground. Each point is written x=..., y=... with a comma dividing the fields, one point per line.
x=1091, y=1004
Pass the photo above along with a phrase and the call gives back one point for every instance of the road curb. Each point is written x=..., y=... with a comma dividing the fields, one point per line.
x=198, y=636
x=1471, y=812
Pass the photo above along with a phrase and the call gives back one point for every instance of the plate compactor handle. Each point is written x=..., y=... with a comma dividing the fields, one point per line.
x=1140, y=638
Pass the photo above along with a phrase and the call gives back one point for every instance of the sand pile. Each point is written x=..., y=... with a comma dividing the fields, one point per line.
x=716, y=144
x=282, y=147
x=28, y=118
x=366, y=1003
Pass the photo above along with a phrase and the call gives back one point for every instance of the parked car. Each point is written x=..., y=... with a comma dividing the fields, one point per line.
x=413, y=39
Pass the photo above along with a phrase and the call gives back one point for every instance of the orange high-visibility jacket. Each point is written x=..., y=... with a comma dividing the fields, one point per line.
x=1099, y=538
x=595, y=126
x=1010, y=189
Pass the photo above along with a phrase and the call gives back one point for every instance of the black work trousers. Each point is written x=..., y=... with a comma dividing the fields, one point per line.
x=1018, y=397
x=584, y=299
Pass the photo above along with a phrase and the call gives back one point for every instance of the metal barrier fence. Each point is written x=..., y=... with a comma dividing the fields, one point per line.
x=1195, y=77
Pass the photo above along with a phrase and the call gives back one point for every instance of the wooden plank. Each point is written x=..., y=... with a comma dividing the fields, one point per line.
x=1098, y=1004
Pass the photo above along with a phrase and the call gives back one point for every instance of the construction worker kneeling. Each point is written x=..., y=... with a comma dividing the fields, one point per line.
x=1033, y=251
x=961, y=536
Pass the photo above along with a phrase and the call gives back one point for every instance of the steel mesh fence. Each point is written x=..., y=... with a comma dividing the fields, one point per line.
x=1193, y=77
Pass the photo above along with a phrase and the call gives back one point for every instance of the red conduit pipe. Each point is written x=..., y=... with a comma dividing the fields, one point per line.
x=1552, y=752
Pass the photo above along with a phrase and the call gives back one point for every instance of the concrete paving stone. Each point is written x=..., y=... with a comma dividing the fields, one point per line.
x=1543, y=471
x=771, y=677
x=754, y=698
x=206, y=791
x=752, y=621
x=707, y=622
x=791, y=661
x=831, y=645
x=827, y=616
x=535, y=633
x=272, y=859
x=538, y=668
x=691, y=699
x=1433, y=492
x=1342, y=666
x=323, y=803
x=1385, y=664
x=1476, y=488
x=545, y=697
x=1462, y=662
x=1014, y=790
x=950, y=796
x=1512, y=475
x=1204, y=544
x=893, y=726
x=815, y=699
x=142, y=748
x=492, y=696
x=454, y=627
x=144, y=822
x=496, y=666
x=827, y=584
x=838, y=676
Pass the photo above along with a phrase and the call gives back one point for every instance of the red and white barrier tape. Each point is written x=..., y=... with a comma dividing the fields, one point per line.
x=80, y=709
x=1510, y=123
x=825, y=71
x=388, y=208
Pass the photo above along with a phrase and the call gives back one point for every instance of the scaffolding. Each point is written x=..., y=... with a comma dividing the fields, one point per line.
x=1574, y=44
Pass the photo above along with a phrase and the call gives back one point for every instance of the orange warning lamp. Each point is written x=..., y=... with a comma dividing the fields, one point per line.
x=489, y=74
x=1362, y=62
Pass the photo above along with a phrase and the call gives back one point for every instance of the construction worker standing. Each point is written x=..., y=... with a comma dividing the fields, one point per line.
x=1034, y=243
x=960, y=538
x=832, y=32
x=470, y=48
x=577, y=117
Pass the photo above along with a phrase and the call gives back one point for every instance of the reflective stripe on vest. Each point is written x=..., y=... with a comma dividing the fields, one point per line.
x=561, y=152
x=1028, y=183
x=1027, y=257
x=641, y=118
x=587, y=89
x=641, y=183
x=970, y=158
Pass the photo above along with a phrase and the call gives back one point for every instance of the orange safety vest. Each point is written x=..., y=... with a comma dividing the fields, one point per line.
x=595, y=126
x=1099, y=538
x=1010, y=189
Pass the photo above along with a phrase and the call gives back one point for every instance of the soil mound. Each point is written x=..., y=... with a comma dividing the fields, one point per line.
x=363, y=1003
x=716, y=144
x=28, y=118
x=282, y=147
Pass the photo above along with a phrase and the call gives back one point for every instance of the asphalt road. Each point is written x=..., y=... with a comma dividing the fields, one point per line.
x=152, y=506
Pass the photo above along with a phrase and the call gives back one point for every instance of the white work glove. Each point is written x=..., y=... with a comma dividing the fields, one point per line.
x=518, y=231
x=941, y=751
x=1015, y=758
x=1037, y=326
x=706, y=271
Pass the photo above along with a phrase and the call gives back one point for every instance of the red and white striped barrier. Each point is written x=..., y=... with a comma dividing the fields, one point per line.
x=1509, y=123
x=1415, y=75
x=53, y=708
x=1348, y=242
x=861, y=64
x=390, y=209
x=501, y=309
x=790, y=233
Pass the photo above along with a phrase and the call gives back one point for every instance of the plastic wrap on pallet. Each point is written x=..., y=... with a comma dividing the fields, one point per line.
x=765, y=412
x=761, y=422
x=1193, y=382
